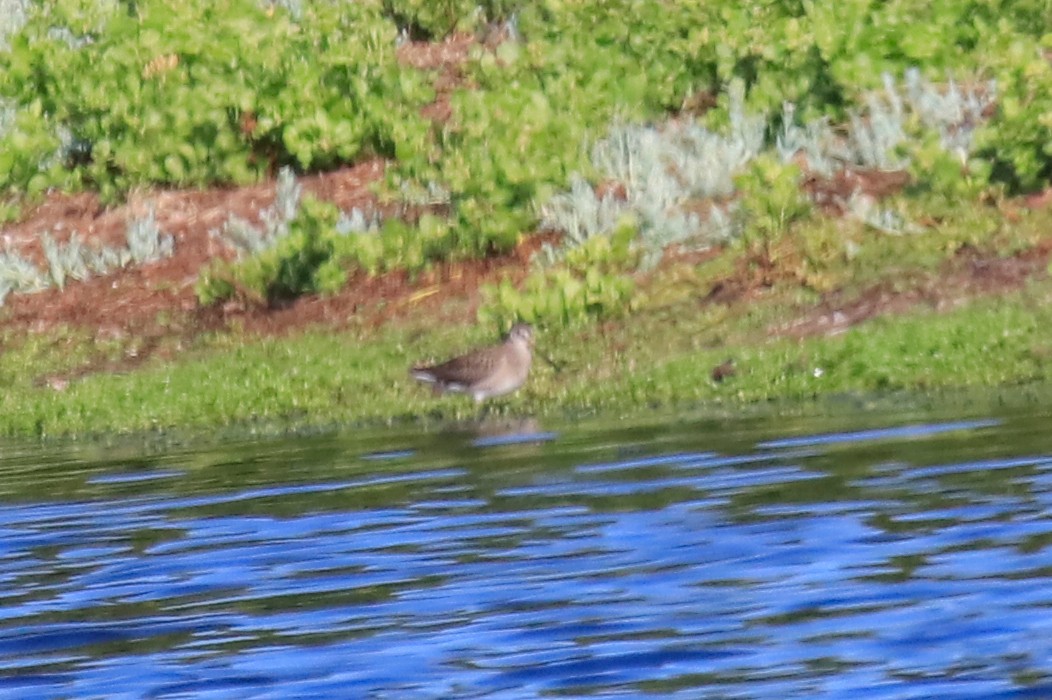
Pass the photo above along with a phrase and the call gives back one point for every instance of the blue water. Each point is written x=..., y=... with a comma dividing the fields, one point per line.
x=858, y=556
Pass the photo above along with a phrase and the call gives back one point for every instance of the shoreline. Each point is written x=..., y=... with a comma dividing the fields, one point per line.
x=320, y=380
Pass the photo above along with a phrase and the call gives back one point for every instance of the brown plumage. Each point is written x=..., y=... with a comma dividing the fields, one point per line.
x=485, y=372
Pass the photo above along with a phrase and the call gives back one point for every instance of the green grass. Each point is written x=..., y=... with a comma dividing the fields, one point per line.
x=990, y=343
x=659, y=360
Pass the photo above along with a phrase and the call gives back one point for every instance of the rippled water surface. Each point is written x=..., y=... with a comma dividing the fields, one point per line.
x=859, y=556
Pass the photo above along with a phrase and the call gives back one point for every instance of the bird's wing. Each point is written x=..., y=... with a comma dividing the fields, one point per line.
x=469, y=368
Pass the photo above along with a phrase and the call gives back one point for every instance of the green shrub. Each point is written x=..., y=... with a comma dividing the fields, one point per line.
x=302, y=261
x=200, y=92
x=593, y=280
x=1018, y=140
x=557, y=297
x=771, y=198
x=309, y=254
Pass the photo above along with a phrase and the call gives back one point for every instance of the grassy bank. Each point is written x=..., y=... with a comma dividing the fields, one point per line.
x=323, y=379
x=663, y=359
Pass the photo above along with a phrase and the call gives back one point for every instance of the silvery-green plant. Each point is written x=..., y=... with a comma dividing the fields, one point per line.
x=356, y=222
x=7, y=117
x=875, y=133
x=287, y=193
x=579, y=214
x=248, y=239
x=809, y=139
x=511, y=27
x=65, y=261
x=146, y=242
x=13, y=16
x=104, y=260
x=955, y=112
x=663, y=170
x=19, y=275
x=874, y=137
x=75, y=260
x=66, y=35
x=71, y=149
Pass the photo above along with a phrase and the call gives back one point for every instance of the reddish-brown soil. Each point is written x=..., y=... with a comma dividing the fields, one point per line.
x=134, y=300
x=157, y=301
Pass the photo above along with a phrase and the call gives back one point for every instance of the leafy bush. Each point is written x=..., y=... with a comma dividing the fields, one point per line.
x=556, y=297
x=1018, y=140
x=771, y=198
x=308, y=246
x=197, y=92
x=593, y=280
x=303, y=259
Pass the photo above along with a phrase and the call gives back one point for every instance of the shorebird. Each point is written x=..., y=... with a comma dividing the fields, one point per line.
x=485, y=372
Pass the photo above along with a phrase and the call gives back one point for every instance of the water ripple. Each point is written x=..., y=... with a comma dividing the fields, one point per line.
x=563, y=563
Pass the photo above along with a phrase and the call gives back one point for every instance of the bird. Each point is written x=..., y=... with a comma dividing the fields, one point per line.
x=484, y=372
x=724, y=370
